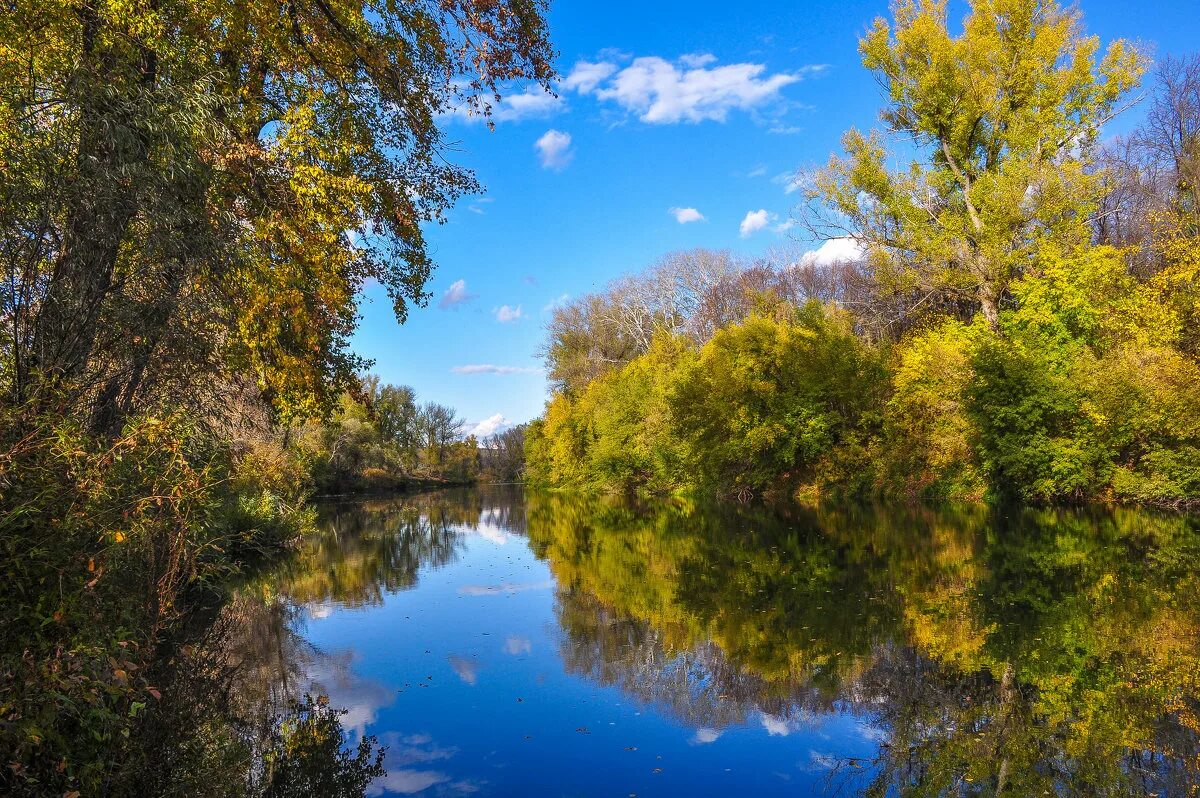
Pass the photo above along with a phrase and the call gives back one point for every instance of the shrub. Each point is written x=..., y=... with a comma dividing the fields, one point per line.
x=1083, y=395
x=765, y=400
x=928, y=444
x=107, y=542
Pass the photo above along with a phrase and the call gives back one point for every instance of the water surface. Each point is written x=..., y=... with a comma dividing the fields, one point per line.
x=507, y=644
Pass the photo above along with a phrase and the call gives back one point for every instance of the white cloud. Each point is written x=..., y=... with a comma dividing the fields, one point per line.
x=466, y=669
x=505, y=313
x=697, y=60
x=754, y=221
x=456, y=294
x=557, y=302
x=319, y=611
x=477, y=205
x=686, y=215
x=835, y=250
x=871, y=732
x=554, y=149
x=493, y=533
x=517, y=645
x=489, y=368
x=688, y=90
x=405, y=782
x=587, y=75
x=411, y=749
x=704, y=736
x=532, y=103
x=791, y=182
x=818, y=761
x=490, y=426
x=776, y=726
x=361, y=698
x=784, y=226
x=758, y=171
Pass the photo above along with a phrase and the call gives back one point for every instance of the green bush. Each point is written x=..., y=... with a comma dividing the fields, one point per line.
x=927, y=449
x=617, y=435
x=108, y=542
x=1083, y=394
x=766, y=400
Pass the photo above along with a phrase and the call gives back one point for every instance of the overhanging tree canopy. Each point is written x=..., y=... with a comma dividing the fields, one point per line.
x=192, y=186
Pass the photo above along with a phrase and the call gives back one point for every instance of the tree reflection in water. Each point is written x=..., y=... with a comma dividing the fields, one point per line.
x=236, y=717
x=1025, y=652
x=1021, y=652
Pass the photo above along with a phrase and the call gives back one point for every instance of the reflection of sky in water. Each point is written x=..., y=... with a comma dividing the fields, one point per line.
x=674, y=648
x=462, y=678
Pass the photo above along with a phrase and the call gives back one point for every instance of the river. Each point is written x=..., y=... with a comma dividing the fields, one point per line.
x=494, y=642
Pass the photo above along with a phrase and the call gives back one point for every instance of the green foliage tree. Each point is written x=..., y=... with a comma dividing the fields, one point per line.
x=616, y=433
x=1002, y=120
x=768, y=398
x=928, y=443
x=1086, y=395
x=380, y=439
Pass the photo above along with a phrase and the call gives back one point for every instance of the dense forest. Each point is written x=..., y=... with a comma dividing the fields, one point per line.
x=1013, y=315
x=194, y=194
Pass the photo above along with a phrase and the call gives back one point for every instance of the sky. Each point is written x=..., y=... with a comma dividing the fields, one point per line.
x=678, y=124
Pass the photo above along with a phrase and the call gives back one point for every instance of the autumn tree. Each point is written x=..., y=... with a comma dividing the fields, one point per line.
x=504, y=454
x=691, y=293
x=440, y=426
x=201, y=187
x=1001, y=122
x=1151, y=176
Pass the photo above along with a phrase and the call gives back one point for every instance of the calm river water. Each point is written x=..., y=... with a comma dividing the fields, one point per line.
x=512, y=644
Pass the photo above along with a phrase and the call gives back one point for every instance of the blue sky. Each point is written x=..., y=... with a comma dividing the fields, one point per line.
x=696, y=105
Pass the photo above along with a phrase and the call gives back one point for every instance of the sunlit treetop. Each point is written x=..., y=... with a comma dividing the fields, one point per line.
x=1003, y=118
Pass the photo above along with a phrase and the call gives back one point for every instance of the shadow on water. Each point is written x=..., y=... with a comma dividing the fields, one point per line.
x=1015, y=652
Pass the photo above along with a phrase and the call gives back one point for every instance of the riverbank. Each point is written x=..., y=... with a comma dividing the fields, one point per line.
x=119, y=550
x=110, y=544
x=1064, y=402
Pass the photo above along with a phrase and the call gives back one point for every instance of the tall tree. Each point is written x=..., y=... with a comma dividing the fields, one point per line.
x=1002, y=122
x=440, y=427
x=209, y=182
x=504, y=454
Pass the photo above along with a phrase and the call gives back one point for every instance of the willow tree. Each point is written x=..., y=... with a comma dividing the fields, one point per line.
x=193, y=187
x=1001, y=122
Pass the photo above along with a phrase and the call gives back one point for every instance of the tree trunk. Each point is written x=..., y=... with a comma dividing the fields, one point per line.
x=104, y=203
x=989, y=303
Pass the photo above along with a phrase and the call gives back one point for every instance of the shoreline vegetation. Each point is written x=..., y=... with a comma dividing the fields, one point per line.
x=1006, y=307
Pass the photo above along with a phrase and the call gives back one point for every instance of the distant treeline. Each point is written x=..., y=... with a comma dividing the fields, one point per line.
x=1016, y=315
x=380, y=438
